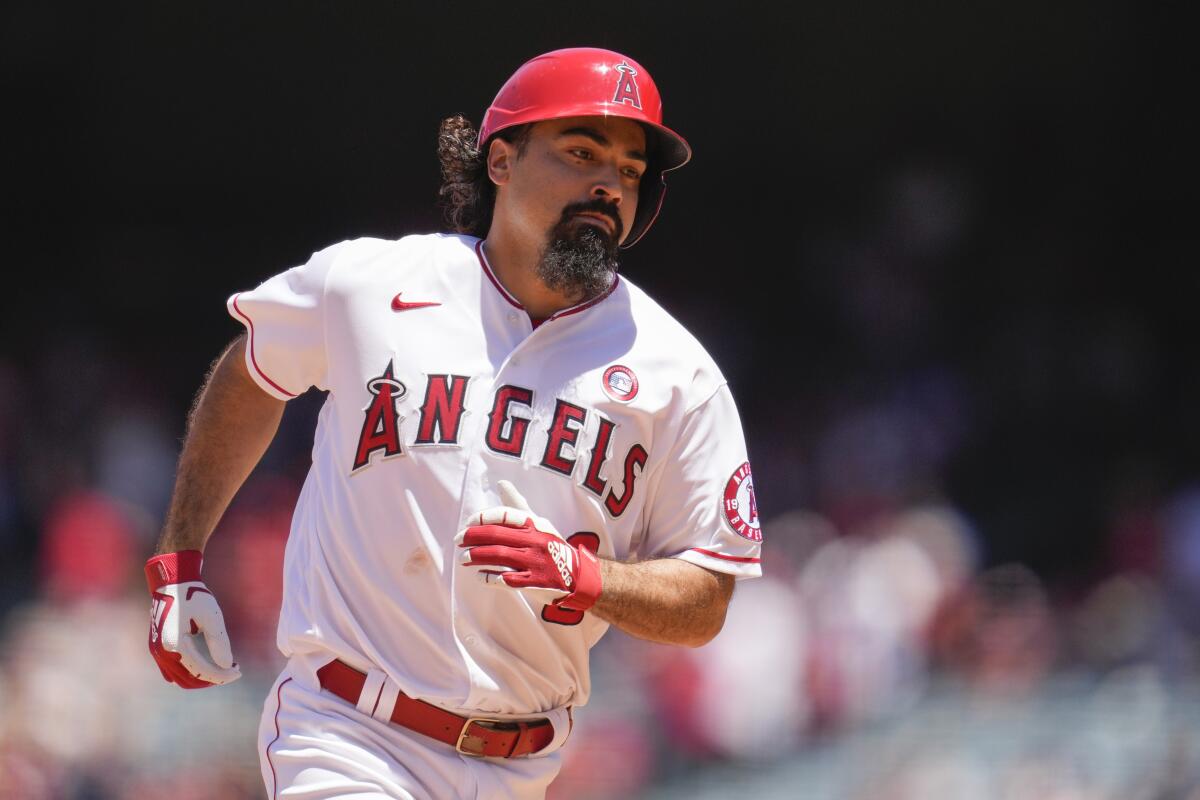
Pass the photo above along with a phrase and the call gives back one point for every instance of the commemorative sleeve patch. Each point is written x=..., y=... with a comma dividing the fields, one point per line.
x=741, y=509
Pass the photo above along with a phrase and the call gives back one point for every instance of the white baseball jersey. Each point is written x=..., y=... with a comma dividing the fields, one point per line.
x=609, y=417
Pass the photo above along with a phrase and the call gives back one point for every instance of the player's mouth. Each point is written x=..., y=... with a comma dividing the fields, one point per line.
x=598, y=219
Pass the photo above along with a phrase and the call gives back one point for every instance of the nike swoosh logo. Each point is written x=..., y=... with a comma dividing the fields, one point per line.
x=400, y=305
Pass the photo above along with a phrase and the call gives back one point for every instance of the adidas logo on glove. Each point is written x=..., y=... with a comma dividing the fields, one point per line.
x=561, y=553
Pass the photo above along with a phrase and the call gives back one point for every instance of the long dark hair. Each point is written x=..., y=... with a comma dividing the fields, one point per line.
x=468, y=195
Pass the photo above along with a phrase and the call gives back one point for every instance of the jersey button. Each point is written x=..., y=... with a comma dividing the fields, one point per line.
x=470, y=641
x=513, y=316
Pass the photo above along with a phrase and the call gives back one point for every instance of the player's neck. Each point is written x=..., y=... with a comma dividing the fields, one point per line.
x=515, y=266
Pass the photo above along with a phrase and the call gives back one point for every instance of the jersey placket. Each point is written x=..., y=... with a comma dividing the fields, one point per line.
x=505, y=321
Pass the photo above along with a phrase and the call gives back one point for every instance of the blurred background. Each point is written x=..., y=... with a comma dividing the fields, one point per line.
x=940, y=251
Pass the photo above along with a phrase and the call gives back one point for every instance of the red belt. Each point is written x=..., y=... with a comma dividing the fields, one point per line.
x=472, y=736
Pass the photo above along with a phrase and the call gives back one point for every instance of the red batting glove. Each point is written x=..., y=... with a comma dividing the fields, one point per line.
x=187, y=632
x=510, y=546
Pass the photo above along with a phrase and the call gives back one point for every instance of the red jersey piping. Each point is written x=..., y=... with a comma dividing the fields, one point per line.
x=738, y=559
x=278, y=706
x=250, y=348
x=487, y=270
x=612, y=287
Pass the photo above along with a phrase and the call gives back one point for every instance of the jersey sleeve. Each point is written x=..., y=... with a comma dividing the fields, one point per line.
x=703, y=509
x=285, y=327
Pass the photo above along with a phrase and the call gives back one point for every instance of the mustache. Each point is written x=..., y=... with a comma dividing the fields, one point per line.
x=598, y=206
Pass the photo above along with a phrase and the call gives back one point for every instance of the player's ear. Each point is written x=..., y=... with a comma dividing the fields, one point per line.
x=500, y=158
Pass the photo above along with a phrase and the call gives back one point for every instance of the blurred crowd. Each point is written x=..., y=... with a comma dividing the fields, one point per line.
x=897, y=648
x=884, y=660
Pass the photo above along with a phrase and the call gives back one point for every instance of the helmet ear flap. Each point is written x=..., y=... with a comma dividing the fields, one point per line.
x=662, y=155
x=650, y=199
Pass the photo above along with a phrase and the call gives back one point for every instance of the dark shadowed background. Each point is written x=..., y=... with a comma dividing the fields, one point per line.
x=940, y=251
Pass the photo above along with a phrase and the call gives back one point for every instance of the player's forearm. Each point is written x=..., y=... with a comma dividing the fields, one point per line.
x=664, y=600
x=230, y=427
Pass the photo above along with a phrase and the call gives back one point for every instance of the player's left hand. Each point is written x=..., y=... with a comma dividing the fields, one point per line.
x=510, y=546
x=187, y=631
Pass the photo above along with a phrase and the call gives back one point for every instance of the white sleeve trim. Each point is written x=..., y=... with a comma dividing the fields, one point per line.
x=265, y=383
x=738, y=566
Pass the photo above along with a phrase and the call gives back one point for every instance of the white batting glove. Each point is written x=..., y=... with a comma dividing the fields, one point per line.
x=187, y=631
x=510, y=546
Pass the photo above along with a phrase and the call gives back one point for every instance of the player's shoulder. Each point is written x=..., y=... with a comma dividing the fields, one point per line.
x=412, y=247
x=663, y=330
x=666, y=344
x=358, y=261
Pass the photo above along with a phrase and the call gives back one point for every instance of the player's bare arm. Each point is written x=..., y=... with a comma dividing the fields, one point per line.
x=664, y=600
x=229, y=429
x=667, y=600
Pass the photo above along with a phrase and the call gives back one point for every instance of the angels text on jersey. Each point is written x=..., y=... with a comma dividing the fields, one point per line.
x=571, y=435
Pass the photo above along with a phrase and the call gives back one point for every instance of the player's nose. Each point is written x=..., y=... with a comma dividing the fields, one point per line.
x=608, y=187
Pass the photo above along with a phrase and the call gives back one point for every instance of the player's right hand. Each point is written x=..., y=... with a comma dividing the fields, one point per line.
x=187, y=632
x=511, y=546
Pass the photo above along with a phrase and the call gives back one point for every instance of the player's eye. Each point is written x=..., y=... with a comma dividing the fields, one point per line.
x=580, y=152
x=632, y=173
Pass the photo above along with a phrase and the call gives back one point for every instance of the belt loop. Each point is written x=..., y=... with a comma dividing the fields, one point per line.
x=519, y=742
x=563, y=720
x=368, y=698
x=387, y=700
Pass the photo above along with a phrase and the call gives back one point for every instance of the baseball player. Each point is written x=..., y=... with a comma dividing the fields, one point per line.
x=518, y=449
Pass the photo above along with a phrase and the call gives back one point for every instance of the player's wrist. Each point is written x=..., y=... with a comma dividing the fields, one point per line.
x=589, y=584
x=167, y=568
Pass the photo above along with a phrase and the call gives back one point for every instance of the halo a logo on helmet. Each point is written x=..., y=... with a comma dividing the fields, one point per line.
x=627, y=88
x=741, y=509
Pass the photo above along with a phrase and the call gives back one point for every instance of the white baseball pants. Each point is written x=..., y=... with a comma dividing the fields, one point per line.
x=315, y=746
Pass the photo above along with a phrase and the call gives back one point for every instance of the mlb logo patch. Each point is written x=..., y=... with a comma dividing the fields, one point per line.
x=620, y=383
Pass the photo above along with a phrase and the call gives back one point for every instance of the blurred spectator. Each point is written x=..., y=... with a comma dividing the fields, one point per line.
x=89, y=549
x=135, y=462
x=999, y=633
x=742, y=695
x=244, y=567
x=1182, y=562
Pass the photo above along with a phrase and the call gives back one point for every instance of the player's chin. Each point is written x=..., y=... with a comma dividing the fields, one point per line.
x=587, y=236
x=607, y=234
x=595, y=242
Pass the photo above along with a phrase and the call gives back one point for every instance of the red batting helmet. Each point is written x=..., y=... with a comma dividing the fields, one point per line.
x=590, y=82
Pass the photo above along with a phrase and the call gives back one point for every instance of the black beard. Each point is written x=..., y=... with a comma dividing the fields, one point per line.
x=581, y=259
